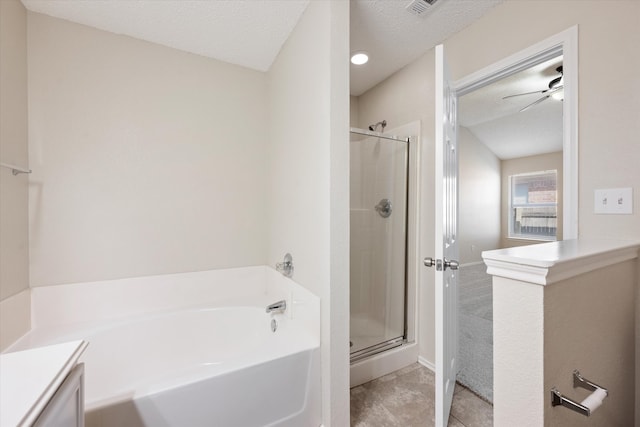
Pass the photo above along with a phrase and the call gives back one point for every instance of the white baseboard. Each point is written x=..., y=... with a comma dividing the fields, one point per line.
x=383, y=364
x=426, y=363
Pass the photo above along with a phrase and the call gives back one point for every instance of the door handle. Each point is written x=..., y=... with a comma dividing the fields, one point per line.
x=441, y=264
x=452, y=264
x=429, y=262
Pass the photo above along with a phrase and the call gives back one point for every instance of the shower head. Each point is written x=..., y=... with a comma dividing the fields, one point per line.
x=375, y=126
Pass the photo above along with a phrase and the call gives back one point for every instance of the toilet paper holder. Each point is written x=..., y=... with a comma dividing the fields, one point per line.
x=558, y=399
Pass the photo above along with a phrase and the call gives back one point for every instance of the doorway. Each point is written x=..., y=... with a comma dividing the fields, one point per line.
x=515, y=141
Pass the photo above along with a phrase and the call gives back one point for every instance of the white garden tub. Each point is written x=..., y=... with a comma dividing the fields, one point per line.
x=192, y=349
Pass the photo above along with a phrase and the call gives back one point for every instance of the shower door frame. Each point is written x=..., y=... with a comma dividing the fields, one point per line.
x=383, y=346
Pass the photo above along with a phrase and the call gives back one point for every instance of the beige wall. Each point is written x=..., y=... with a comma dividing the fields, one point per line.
x=543, y=162
x=479, y=198
x=299, y=155
x=353, y=111
x=146, y=160
x=14, y=190
x=14, y=247
x=309, y=183
x=404, y=97
x=584, y=341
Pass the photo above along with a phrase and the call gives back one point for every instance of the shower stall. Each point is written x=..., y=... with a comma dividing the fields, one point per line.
x=379, y=183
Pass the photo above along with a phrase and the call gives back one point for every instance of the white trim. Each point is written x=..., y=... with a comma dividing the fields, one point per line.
x=574, y=257
x=382, y=364
x=565, y=43
x=427, y=364
x=570, y=134
x=522, y=273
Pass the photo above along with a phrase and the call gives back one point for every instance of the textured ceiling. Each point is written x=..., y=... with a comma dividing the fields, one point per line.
x=243, y=32
x=500, y=125
x=393, y=37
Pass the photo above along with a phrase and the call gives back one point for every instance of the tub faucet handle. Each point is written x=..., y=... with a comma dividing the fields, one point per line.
x=277, y=307
x=286, y=267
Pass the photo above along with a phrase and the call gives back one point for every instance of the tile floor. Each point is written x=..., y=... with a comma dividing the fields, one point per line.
x=405, y=398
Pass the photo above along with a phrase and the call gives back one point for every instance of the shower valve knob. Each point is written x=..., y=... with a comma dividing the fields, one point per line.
x=384, y=208
x=286, y=267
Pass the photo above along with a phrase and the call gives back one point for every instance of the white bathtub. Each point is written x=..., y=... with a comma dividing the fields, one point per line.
x=197, y=350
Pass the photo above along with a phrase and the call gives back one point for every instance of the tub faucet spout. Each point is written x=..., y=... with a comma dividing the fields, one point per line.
x=277, y=307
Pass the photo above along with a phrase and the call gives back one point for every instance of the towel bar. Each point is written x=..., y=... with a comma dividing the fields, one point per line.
x=15, y=169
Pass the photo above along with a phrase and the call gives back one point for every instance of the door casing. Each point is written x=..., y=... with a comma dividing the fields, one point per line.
x=564, y=43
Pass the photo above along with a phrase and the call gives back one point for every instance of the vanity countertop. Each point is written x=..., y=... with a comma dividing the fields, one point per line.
x=29, y=378
x=547, y=263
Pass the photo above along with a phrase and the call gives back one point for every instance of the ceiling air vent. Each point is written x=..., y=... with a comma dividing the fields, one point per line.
x=420, y=7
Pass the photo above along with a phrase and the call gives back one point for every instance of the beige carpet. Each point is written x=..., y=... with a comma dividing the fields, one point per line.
x=475, y=345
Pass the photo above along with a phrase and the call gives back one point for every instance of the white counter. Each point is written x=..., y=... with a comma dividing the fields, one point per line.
x=28, y=380
x=551, y=262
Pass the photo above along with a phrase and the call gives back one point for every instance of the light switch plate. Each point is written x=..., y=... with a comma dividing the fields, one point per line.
x=613, y=201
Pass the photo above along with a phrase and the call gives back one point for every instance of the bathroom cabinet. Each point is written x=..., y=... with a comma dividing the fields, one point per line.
x=43, y=386
x=66, y=406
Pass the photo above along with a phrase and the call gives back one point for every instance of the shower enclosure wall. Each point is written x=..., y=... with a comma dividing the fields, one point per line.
x=379, y=196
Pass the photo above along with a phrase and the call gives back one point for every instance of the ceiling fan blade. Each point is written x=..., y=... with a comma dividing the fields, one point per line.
x=525, y=93
x=535, y=103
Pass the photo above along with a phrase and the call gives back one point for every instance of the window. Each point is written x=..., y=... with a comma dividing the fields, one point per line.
x=533, y=208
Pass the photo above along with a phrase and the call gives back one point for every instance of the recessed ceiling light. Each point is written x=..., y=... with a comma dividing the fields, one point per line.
x=359, y=58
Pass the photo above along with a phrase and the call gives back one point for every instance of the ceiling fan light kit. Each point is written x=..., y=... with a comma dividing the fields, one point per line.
x=555, y=91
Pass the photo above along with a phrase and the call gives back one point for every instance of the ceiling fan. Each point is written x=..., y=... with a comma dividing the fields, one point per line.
x=555, y=85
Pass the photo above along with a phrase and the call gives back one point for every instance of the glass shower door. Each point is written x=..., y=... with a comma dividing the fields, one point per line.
x=378, y=210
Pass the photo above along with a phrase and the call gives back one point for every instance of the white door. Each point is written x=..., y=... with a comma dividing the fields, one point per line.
x=446, y=244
